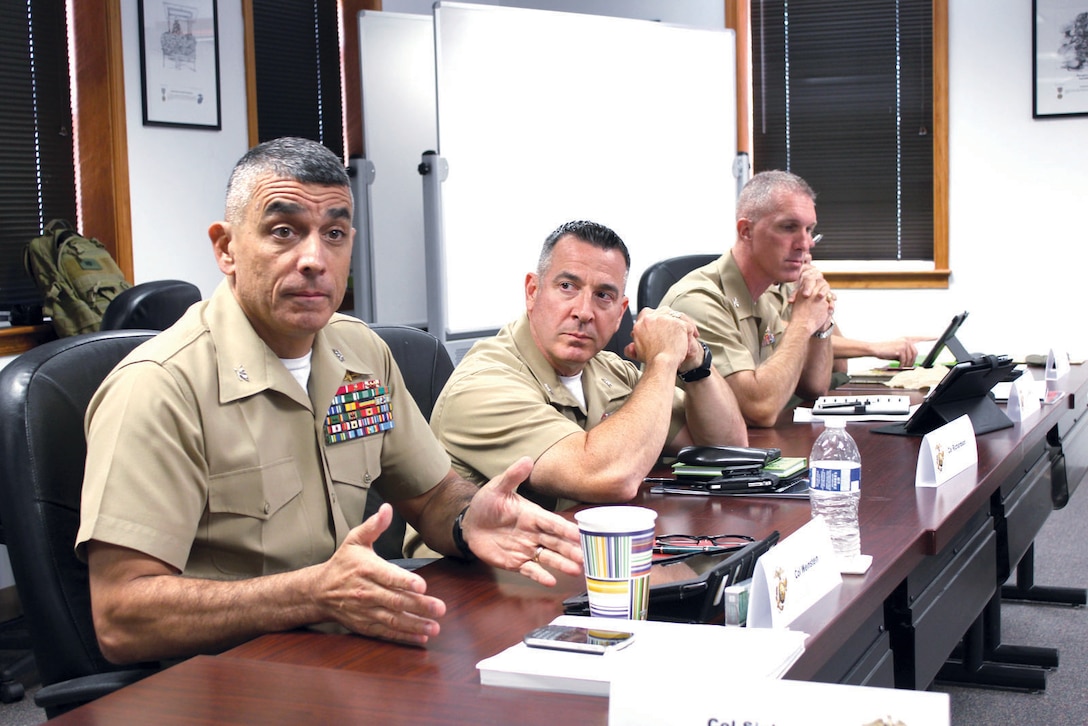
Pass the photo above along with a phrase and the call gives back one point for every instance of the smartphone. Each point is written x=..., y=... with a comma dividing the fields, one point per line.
x=579, y=640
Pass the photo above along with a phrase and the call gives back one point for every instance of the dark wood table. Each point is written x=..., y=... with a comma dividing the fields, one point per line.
x=303, y=674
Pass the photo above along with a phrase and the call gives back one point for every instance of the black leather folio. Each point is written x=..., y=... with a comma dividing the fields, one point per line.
x=964, y=390
x=727, y=457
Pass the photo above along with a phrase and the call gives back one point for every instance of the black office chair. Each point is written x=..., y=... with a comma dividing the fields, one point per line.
x=154, y=305
x=43, y=397
x=15, y=637
x=426, y=365
x=660, y=276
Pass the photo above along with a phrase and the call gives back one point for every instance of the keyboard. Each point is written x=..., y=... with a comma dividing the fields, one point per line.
x=854, y=405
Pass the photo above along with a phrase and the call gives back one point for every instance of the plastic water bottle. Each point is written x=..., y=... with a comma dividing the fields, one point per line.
x=835, y=486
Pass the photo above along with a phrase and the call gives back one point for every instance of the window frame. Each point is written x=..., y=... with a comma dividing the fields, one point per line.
x=738, y=18
x=101, y=143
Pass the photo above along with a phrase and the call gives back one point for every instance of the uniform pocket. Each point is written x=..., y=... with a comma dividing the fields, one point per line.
x=250, y=511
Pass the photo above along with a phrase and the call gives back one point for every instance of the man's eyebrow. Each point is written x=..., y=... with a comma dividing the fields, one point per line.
x=278, y=207
x=339, y=213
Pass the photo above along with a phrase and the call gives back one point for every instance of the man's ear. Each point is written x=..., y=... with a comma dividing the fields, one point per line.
x=744, y=229
x=532, y=286
x=220, y=235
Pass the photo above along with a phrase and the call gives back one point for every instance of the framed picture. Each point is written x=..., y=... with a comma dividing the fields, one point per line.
x=179, y=63
x=1060, y=58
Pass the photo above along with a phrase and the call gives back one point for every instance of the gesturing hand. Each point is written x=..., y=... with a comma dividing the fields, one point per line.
x=370, y=596
x=506, y=530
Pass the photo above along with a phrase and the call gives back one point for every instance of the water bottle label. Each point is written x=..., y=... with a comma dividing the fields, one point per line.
x=835, y=477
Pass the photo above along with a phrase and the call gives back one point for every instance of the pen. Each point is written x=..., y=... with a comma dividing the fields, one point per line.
x=844, y=404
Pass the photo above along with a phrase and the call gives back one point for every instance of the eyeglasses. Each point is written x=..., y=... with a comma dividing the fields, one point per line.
x=674, y=544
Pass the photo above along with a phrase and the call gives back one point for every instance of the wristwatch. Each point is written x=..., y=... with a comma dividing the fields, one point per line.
x=701, y=371
x=459, y=537
x=826, y=332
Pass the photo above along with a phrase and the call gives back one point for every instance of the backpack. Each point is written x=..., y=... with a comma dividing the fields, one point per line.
x=76, y=275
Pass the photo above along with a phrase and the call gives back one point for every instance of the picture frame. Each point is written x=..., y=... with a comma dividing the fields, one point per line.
x=179, y=63
x=1059, y=45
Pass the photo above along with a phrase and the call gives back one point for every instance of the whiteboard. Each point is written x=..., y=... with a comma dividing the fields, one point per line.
x=545, y=117
x=396, y=56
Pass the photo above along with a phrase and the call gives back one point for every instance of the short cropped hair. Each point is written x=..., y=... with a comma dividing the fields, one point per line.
x=302, y=160
x=589, y=232
x=758, y=197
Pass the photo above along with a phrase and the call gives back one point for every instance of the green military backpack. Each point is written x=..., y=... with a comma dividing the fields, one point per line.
x=76, y=275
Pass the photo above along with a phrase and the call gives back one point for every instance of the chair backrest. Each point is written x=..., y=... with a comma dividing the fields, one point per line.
x=622, y=337
x=43, y=398
x=154, y=305
x=660, y=276
x=426, y=365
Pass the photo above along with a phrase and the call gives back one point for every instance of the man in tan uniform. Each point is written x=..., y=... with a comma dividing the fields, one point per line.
x=735, y=303
x=230, y=457
x=545, y=388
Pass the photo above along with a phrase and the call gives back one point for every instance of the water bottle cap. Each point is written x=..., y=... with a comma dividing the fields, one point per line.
x=834, y=422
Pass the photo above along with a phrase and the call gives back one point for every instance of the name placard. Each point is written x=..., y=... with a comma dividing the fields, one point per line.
x=945, y=452
x=703, y=696
x=1023, y=399
x=790, y=577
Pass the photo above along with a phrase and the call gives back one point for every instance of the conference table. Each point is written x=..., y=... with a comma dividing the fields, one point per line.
x=939, y=556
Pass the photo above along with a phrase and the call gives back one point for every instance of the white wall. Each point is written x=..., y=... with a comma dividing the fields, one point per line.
x=1016, y=188
x=1014, y=185
x=178, y=176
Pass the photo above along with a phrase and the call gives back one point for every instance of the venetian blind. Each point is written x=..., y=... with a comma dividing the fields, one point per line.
x=842, y=96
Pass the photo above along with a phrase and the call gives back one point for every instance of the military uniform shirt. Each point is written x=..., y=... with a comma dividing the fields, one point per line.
x=205, y=453
x=741, y=333
x=505, y=401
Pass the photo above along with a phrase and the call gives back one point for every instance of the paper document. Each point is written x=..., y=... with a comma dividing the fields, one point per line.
x=765, y=653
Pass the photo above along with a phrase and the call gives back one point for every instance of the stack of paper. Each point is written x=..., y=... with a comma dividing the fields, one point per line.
x=764, y=652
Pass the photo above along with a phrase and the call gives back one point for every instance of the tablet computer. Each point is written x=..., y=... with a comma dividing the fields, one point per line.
x=688, y=588
x=948, y=338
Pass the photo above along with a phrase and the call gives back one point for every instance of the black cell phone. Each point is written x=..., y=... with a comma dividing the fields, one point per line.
x=579, y=640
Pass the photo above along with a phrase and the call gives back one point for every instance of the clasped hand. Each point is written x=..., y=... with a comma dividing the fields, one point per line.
x=665, y=331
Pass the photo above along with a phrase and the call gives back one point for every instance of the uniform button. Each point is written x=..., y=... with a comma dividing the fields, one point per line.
x=366, y=477
x=267, y=507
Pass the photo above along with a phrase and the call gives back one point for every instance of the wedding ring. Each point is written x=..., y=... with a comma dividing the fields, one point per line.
x=674, y=313
x=536, y=557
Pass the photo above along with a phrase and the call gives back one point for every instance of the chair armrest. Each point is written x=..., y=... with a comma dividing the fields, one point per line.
x=65, y=695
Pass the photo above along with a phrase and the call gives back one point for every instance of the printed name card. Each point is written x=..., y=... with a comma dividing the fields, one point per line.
x=1057, y=367
x=790, y=577
x=708, y=697
x=946, y=451
x=1023, y=399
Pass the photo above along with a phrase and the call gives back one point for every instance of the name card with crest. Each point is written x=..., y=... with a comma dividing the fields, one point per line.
x=945, y=452
x=792, y=576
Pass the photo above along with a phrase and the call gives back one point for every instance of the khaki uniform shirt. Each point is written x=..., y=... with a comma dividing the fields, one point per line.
x=505, y=401
x=205, y=453
x=740, y=332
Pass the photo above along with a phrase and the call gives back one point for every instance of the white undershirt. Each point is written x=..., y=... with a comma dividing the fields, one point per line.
x=299, y=368
x=574, y=385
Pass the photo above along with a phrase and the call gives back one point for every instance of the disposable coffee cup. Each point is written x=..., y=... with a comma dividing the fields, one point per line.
x=618, y=544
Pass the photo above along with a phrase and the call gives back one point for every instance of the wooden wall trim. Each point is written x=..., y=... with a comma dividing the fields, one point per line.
x=101, y=135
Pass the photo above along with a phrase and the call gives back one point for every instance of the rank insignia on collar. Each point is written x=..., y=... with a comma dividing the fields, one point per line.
x=359, y=408
x=240, y=371
x=338, y=354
